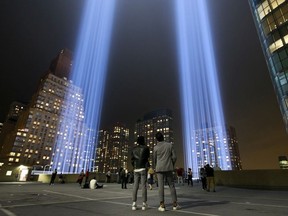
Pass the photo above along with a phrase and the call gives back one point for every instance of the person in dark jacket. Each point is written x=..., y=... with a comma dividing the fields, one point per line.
x=139, y=158
x=210, y=178
x=53, y=176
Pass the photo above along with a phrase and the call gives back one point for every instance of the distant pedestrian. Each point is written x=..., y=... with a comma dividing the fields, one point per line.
x=53, y=176
x=61, y=178
x=124, y=178
x=108, y=176
x=139, y=160
x=119, y=176
x=164, y=157
x=210, y=178
x=179, y=172
x=80, y=178
x=150, y=177
x=190, y=177
x=203, y=178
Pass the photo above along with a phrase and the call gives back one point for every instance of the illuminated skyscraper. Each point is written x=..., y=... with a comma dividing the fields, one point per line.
x=40, y=136
x=153, y=122
x=271, y=18
x=102, y=164
x=112, y=149
x=118, y=147
x=209, y=142
x=16, y=108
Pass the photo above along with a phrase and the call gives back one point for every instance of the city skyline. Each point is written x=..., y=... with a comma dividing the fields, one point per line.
x=141, y=64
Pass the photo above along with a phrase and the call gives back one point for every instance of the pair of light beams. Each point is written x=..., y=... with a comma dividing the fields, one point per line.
x=201, y=103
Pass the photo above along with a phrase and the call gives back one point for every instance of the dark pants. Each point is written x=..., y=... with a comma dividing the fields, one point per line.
x=190, y=180
x=124, y=182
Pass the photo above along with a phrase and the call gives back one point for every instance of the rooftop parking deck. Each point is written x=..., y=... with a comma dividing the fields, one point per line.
x=21, y=199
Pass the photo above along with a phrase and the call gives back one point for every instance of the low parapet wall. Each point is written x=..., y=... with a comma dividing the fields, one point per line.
x=72, y=178
x=254, y=179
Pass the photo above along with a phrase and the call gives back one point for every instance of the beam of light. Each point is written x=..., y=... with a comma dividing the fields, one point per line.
x=202, y=115
x=76, y=143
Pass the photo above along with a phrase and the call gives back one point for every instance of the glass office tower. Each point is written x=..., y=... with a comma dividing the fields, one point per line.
x=271, y=19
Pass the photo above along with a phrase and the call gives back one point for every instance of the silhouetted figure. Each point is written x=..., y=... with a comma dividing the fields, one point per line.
x=61, y=178
x=210, y=178
x=124, y=178
x=203, y=178
x=108, y=176
x=80, y=178
x=53, y=176
x=189, y=176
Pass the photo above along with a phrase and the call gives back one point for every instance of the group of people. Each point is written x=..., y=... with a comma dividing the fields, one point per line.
x=206, y=175
x=164, y=159
x=207, y=178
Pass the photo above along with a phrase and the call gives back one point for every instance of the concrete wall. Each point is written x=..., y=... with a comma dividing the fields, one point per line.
x=256, y=179
x=72, y=178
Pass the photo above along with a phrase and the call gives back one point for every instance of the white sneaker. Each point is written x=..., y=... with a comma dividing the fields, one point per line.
x=177, y=207
x=144, y=206
x=161, y=208
x=134, y=206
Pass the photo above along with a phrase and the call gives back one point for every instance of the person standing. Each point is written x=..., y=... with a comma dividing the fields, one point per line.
x=179, y=172
x=203, y=178
x=53, y=176
x=189, y=175
x=108, y=176
x=210, y=178
x=150, y=178
x=80, y=177
x=139, y=160
x=123, y=178
x=164, y=158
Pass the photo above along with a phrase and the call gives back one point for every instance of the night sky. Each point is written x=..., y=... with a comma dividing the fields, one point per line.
x=142, y=74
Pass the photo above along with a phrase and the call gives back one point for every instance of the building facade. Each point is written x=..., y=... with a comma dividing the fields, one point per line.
x=112, y=149
x=102, y=164
x=153, y=122
x=214, y=142
x=51, y=132
x=271, y=19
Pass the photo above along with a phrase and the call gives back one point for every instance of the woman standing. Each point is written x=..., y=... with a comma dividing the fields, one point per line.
x=150, y=178
x=189, y=175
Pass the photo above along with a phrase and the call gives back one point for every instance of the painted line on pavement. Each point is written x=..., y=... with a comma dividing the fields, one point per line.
x=154, y=207
x=7, y=212
x=257, y=204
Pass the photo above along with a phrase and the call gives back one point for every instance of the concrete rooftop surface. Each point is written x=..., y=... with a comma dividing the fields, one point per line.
x=21, y=199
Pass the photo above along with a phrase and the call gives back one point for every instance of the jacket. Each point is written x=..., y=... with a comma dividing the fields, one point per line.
x=164, y=157
x=139, y=156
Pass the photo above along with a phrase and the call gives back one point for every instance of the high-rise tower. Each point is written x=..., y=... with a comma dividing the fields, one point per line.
x=153, y=122
x=271, y=19
x=51, y=131
x=112, y=149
